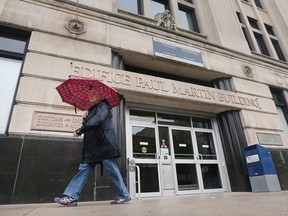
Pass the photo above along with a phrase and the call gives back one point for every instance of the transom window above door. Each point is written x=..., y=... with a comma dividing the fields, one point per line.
x=161, y=118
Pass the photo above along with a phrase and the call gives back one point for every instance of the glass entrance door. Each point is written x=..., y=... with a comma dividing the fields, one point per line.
x=175, y=154
x=208, y=161
x=184, y=160
x=146, y=157
x=195, y=161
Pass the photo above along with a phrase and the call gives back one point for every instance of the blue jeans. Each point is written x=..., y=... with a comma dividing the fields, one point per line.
x=77, y=183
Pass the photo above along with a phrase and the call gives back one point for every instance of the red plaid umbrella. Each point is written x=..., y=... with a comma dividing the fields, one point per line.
x=75, y=91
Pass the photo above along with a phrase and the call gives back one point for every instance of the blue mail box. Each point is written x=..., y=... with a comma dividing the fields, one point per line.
x=258, y=160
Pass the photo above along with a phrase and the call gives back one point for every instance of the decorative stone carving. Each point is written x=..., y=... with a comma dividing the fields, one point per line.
x=76, y=27
x=248, y=71
x=165, y=20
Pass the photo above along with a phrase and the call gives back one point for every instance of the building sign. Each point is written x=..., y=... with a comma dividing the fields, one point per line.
x=269, y=139
x=55, y=122
x=125, y=80
x=177, y=52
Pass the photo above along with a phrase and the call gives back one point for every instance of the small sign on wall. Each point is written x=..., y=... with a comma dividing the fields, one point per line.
x=46, y=121
x=269, y=139
x=177, y=52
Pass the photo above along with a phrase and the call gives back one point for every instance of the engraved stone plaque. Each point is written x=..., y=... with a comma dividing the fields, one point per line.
x=46, y=121
x=269, y=139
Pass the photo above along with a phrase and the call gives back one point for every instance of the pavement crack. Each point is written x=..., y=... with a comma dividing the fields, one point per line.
x=32, y=210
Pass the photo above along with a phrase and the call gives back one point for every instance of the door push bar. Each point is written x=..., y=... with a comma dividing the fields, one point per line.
x=133, y=165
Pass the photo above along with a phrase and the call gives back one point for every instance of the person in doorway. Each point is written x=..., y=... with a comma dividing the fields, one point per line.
x=100, y=146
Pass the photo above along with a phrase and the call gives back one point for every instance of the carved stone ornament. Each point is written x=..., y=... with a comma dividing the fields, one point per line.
x=248, y=71
x=165, y=20
x=76, y=27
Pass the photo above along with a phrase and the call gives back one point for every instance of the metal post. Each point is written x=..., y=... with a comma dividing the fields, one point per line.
x=138, y=182
x=77, y=10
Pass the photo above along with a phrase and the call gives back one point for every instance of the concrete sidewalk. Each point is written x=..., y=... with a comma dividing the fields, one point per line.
x=222, y=204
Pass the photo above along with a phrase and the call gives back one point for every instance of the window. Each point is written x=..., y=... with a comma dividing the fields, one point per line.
x=168, y=119
x=158, y=6
x=201, y=123
x=275, y=42
x=253, y=23
x=244, y=29
x=143, y=137
x=258, y=34
x=188, y=18
x=13, y=45
x=142, y=116
x=246, y=37
x=239, y=17
x=278, y=50
x=269, y=29
x=132, y=6
x=261, y=44
x=281, y=106
x=258, y=4
x=189, y=1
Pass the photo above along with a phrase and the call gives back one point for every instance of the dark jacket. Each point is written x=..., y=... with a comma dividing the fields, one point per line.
x=100, y=141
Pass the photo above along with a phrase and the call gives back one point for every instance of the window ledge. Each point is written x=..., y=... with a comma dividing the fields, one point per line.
x=185, y=31
x=268, y=58
x=262, y=9
x=246, y=2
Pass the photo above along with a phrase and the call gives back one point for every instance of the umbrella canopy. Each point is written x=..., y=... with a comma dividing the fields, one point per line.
x=75, y=91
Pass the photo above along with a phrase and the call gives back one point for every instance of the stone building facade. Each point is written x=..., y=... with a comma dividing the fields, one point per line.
x=199, y=81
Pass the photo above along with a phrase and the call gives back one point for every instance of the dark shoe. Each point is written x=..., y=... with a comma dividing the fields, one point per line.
x=66, y=201
x=120, y=201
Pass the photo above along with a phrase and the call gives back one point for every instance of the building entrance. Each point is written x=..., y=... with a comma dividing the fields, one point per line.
x=176, y=154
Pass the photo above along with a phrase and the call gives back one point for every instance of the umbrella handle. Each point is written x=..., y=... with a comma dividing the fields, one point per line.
x=84, y=116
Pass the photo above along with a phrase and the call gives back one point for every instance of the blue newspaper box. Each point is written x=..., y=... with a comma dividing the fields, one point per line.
x=261, y=170
x=258, y=161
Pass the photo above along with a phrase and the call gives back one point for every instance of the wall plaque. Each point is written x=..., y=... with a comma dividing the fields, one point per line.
x=46, y=121
x=269, y=139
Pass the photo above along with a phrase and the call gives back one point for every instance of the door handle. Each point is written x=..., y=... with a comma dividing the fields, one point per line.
x=157, y=156
x=198, y=156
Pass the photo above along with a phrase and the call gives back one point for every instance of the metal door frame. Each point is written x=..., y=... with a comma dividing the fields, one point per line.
x=155, y=160
x=218, y=148
x=197, y=160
